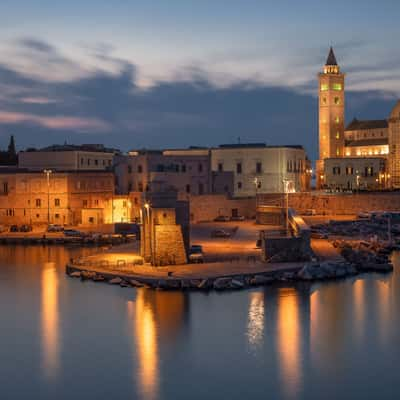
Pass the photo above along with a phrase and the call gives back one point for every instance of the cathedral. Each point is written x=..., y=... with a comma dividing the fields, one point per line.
x=365, y=154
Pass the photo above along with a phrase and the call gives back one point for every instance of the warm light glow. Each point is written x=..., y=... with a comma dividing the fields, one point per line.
x=143, y=318
x=255, y=325
x=289, y=343
x=147, y=206
x=50, y=327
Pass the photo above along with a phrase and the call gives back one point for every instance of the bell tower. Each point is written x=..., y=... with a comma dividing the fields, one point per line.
x=331, y=114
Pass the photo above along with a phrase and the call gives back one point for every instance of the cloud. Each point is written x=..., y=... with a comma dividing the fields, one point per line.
x=108, y=104
x=55, y=122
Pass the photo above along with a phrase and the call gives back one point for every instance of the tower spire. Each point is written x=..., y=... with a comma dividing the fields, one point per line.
x=331, y=60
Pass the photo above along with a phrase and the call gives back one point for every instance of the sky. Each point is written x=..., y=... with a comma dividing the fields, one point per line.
x=135, y=74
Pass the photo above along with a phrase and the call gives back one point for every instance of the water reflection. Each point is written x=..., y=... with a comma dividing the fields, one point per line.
x=255, y=325
x=289, y=340
x=50, y=320
x=153, y=315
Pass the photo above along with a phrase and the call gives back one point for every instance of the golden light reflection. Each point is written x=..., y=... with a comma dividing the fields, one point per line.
x=289, y=341
x=255, y=325
x=143, y=319
x=359, y=307
x=384, y=299
x=50, y=320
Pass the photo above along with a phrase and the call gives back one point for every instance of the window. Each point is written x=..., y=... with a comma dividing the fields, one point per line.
x=140, y=187
x=239, y=168
x=201, y=188
x=91, y=220
x=323, y=100
x=139, y=169
x=336, y=170
x=187, y=188
x=337, y=86
x=84, y=203
x=88, y=161
x=337, y=135
x=82, y=161
x=324, y=87
x=130, y=187
x=200, y=167
x=258, y=167
x=239, y=185
x=220, y=167
x=57, y=216
x=5, y=187
x=129, y=169
x=123, y=203
x=369, y=171
x=57, y=202
x=337, y=151
x=109, y=162
x=38, y=203
x=349, y=170
x=336, y=100
x=183, y=168
x=96, y=202
x=337, y=120
x=96, y=162
x=258, y=184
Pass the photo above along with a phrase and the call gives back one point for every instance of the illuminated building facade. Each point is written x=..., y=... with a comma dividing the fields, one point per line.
x=66, y=198
x=364, y=155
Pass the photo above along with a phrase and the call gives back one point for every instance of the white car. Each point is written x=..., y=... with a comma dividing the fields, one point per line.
x=196, y=254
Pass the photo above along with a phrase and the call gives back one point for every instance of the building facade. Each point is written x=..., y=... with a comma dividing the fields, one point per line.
x=187, y=171
x=363, y=156
x=257, y=168
x=67, y=158
x=66, y=198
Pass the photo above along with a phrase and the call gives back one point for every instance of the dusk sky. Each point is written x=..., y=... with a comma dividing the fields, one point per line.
x=134, y=74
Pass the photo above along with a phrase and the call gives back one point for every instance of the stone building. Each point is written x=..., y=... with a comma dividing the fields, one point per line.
x=366, y=154
x=258, y=168
x=165, y=229
x=87, y=157
x=185, y=170
x=67, y=198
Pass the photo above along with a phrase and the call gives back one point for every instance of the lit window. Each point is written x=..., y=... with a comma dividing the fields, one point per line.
x=324, y=87
x=337, y=120
x=337, y=135
x=38, y=202
x=337, y=86
x=323, y=100
x=337, y=152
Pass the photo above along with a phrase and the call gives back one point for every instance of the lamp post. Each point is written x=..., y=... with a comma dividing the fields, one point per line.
x=256, y=183
x=286, y=191
x=48, y=172
x=150, y=233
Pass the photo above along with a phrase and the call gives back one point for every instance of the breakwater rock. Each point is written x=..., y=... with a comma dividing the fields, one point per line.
x=310, y=271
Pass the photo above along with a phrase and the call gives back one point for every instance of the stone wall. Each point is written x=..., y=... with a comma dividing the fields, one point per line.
x=169, y=245
x=338, y=204
x=287, y=249
x=208, y=207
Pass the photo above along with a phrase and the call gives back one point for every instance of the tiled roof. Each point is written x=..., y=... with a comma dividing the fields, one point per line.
x=357, y=125
x=367, y=142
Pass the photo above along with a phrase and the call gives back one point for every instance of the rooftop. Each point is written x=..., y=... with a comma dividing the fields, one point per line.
x=367, y=142
x=357, y=125
x=99, y=148
x=331, y=60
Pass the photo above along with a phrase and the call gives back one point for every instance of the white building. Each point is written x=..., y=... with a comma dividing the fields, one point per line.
x=67, y=158
x=257, y=168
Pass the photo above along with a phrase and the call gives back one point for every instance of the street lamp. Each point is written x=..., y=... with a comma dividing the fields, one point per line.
x=48, y=172
x=286, y=188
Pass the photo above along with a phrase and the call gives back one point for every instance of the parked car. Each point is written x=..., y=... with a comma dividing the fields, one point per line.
x=363, y=215
x=25, y=228
x=196, y=254
x=222, y=218
x=55, y=228
x=72, y=232
x=220, y=233
x=14, y=228
x=237, y=218
x=310, y=211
